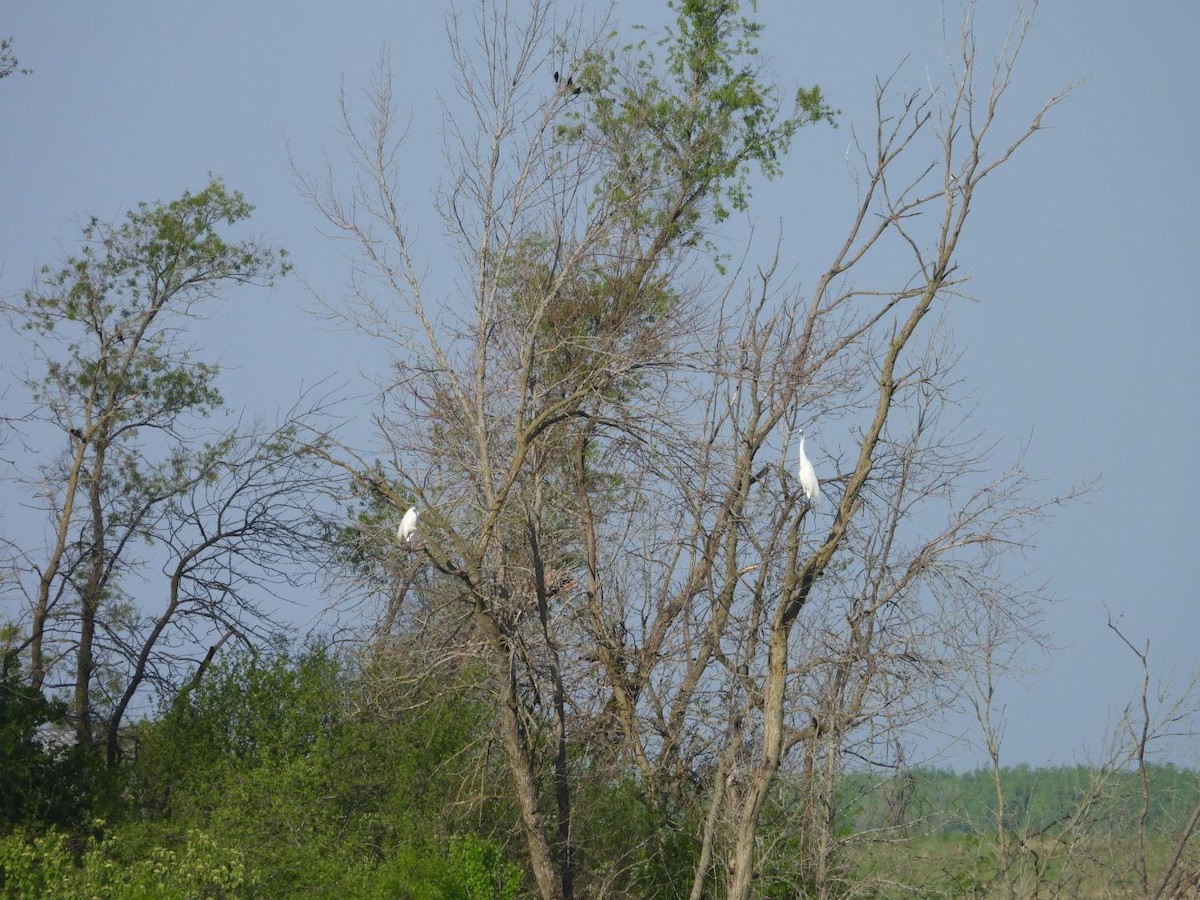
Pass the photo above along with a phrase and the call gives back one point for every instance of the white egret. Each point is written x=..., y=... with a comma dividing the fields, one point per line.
x=407, y=529
x=808, y=477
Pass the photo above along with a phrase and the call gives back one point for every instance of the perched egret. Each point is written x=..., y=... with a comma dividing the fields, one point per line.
x=808, y=477
x=407, y=529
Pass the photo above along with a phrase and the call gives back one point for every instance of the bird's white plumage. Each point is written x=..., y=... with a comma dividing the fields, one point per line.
x=407, y=530
x=808, y=477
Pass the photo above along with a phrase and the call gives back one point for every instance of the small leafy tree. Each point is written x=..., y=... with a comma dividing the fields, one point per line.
x=136, y=479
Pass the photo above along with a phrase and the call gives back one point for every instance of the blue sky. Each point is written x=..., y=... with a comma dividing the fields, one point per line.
x=1083, y=343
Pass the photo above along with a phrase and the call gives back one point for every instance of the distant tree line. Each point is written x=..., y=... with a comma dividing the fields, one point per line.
x=940, y=801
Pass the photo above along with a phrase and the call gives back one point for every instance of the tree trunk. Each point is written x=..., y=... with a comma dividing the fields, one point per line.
x=41, y=610
x=89, y=604
x=520, y=763
x=743, y=860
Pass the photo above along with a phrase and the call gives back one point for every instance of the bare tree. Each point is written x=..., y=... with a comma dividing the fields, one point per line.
x=578, y=199
x=599, y=432
x=1072, y=850
x=1156, y=717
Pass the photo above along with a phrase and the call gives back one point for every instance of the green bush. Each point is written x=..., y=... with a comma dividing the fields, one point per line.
x=44, y=866
x=326, y=788
x=480, y=871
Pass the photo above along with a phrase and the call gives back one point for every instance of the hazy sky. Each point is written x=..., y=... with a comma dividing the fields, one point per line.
x=1084, y=342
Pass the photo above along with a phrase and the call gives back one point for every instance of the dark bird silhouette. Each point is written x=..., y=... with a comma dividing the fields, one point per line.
x=576, y=91
x=556, y=76
x=570, y=80
x=76, y=433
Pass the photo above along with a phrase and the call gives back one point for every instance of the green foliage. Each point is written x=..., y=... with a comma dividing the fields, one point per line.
x=29, y=868
x=27, y=765
x=324, y=787
x=480, y=870
x=642, y=852
x=45, y=780
x=295, y=774
x=683, y=138
x=46, y=866
x=35, y=867
x=8, y=60
x=107, y=302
